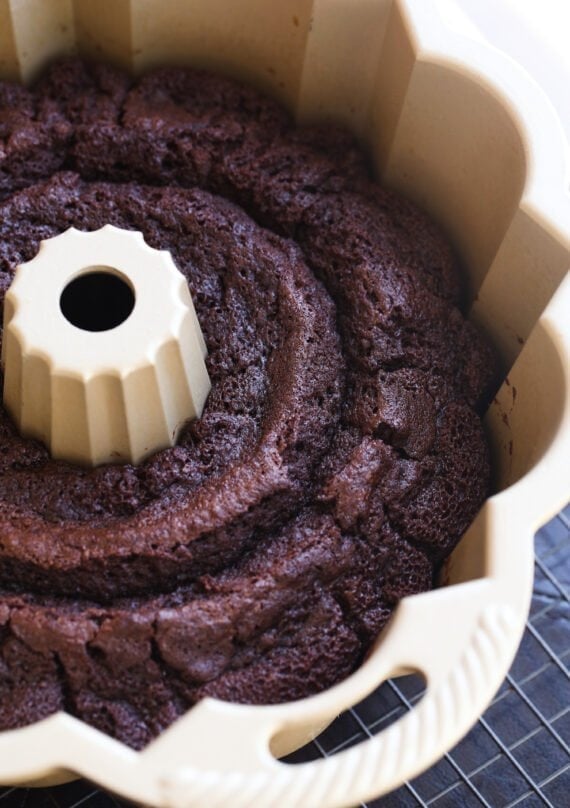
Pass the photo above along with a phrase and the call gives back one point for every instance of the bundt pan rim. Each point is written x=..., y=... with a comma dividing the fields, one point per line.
x=202, y=759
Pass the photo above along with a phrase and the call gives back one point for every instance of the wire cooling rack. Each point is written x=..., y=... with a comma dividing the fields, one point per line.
x=516, y=755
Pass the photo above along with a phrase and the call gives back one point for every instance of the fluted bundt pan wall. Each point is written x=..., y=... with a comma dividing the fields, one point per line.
x=462, y=130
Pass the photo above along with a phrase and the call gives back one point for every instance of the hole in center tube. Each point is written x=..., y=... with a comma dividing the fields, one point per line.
x=97, y=300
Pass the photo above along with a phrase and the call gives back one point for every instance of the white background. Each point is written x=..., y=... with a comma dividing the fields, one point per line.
x=534, y=32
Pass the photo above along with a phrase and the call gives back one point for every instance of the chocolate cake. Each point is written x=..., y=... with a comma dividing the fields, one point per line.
x=339, y=457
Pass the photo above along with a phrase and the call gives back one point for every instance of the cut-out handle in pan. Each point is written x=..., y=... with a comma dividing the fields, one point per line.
x=451, y=704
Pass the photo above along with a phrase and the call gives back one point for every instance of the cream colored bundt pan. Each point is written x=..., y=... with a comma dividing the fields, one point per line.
x=464, y=131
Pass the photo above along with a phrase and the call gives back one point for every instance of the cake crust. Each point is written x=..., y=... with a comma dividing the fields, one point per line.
x=340, y=455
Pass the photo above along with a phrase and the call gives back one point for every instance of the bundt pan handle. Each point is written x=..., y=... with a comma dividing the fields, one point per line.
x=461, y=638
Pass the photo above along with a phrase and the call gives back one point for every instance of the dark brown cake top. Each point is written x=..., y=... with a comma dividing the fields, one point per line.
x=339, y=456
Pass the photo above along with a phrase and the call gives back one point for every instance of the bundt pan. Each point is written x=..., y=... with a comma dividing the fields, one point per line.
x=462, y=130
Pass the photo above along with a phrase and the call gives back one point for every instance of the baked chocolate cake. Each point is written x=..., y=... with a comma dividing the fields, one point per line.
x=339, y=457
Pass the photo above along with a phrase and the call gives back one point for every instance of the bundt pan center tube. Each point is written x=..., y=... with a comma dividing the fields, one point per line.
x=463, y=131
x=102, y=355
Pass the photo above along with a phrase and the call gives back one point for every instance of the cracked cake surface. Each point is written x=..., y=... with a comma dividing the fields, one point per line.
x=340, y=454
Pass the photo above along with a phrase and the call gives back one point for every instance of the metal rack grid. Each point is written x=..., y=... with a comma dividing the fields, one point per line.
x=516, y=755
